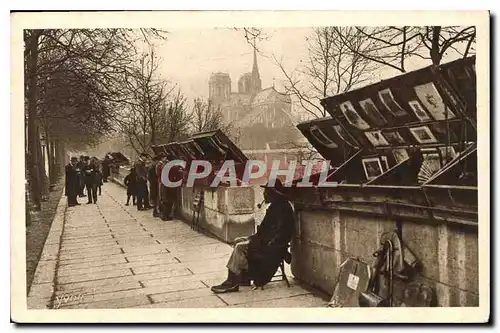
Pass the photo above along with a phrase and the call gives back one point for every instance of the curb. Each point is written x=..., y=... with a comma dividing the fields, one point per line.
x=43, y=287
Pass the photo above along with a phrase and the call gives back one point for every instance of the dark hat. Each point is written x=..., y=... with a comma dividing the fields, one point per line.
x=74, y=158
x=278, y=187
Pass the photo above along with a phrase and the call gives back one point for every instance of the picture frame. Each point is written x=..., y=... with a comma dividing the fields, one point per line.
x=385, y=162
x=447, y=154
x=343, y=135
x=394, y=137
x=400, y=155
x=322, y=138
x=387, y=98
x=423, y=135
x=418, y=110
x=376, y=138
x=372, y=112
x=352, y=116
x=372, y=167
x=433, y=102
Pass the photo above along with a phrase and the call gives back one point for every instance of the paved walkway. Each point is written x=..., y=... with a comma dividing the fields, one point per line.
x=111, y=256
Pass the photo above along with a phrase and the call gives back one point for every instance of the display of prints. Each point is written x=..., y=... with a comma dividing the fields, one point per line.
x=430, y=165
x=372, y=112
x=352, y=116
x=433, y=102
x=372, y=167
x=447, y=154
x=322, y=138
x=400, y=155
x=423, y=135
x=343, y=135
x=419, y=110
x=393, y=137
x=390, y=103
x=386, y=162
x=376, y=138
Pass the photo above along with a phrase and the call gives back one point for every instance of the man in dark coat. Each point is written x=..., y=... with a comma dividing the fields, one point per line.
x=90, y=172
x=142, y=183
x=153, y=183
x=80, y=165
x=258, y=257
x=105, y=168
x=72, y=185
x=168, y=195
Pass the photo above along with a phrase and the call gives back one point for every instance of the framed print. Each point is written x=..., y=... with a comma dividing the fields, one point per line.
x=393, y=137
x=344, y=135
x=400, y=155
x=447, y=154
x=433, y=102
x=372, y=112
x=376, y=138
x=353, y=117
x=390, y=103
x=419, y=110
x=372, y=167
x=431, y=163
x=385, y=163
x=423, y=134
x=322, y=138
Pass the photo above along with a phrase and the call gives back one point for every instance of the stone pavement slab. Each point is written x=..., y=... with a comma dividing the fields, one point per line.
x=108, y=255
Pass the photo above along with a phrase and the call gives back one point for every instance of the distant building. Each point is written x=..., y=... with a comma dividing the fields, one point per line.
x=261, y=118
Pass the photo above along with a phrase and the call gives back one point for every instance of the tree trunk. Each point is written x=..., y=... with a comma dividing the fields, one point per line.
x=50, y=158
x=42, y=176
x=435, y=54
x=31, y=78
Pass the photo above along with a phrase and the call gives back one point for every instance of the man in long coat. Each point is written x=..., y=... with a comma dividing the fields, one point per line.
x=106, y=168
x=258, y=257
x=168, y=195
x=142, y=183
x=91, y=180
x=154, y=184
x=72, y=182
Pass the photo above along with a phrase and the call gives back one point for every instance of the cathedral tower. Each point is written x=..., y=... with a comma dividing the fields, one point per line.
x=219, y=87
x=256, y=82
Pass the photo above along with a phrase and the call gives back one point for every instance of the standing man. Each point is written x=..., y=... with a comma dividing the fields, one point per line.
x=72, y=182
x=81, y=177
x=142, y=182
x=169, y=195
x=153, y=183
x=91, y=181
x=105, y=168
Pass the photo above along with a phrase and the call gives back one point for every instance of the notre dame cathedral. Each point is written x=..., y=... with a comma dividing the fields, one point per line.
x=262, y=117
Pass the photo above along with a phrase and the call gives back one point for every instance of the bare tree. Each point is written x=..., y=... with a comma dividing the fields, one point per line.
x=253, y=35
x=92, y=64
x=208, y=117
x=144, y=115
x=331, y=68
x=394, y=46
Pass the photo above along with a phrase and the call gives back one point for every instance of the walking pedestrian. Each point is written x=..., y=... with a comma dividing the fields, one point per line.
x=105, y=168
x=71, y=187
x=91, y=180
x=81, y=177
x=131, y=182
x=142, y=183
x=169, y=195
x=153, y=183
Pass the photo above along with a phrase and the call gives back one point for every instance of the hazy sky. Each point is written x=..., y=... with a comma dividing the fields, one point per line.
x=190, y=56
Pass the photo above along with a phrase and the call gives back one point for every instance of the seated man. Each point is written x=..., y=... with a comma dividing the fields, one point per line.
x=258, y=257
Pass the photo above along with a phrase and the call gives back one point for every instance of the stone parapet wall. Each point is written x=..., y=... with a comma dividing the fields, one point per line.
x=227, y=212
x=327, y=233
